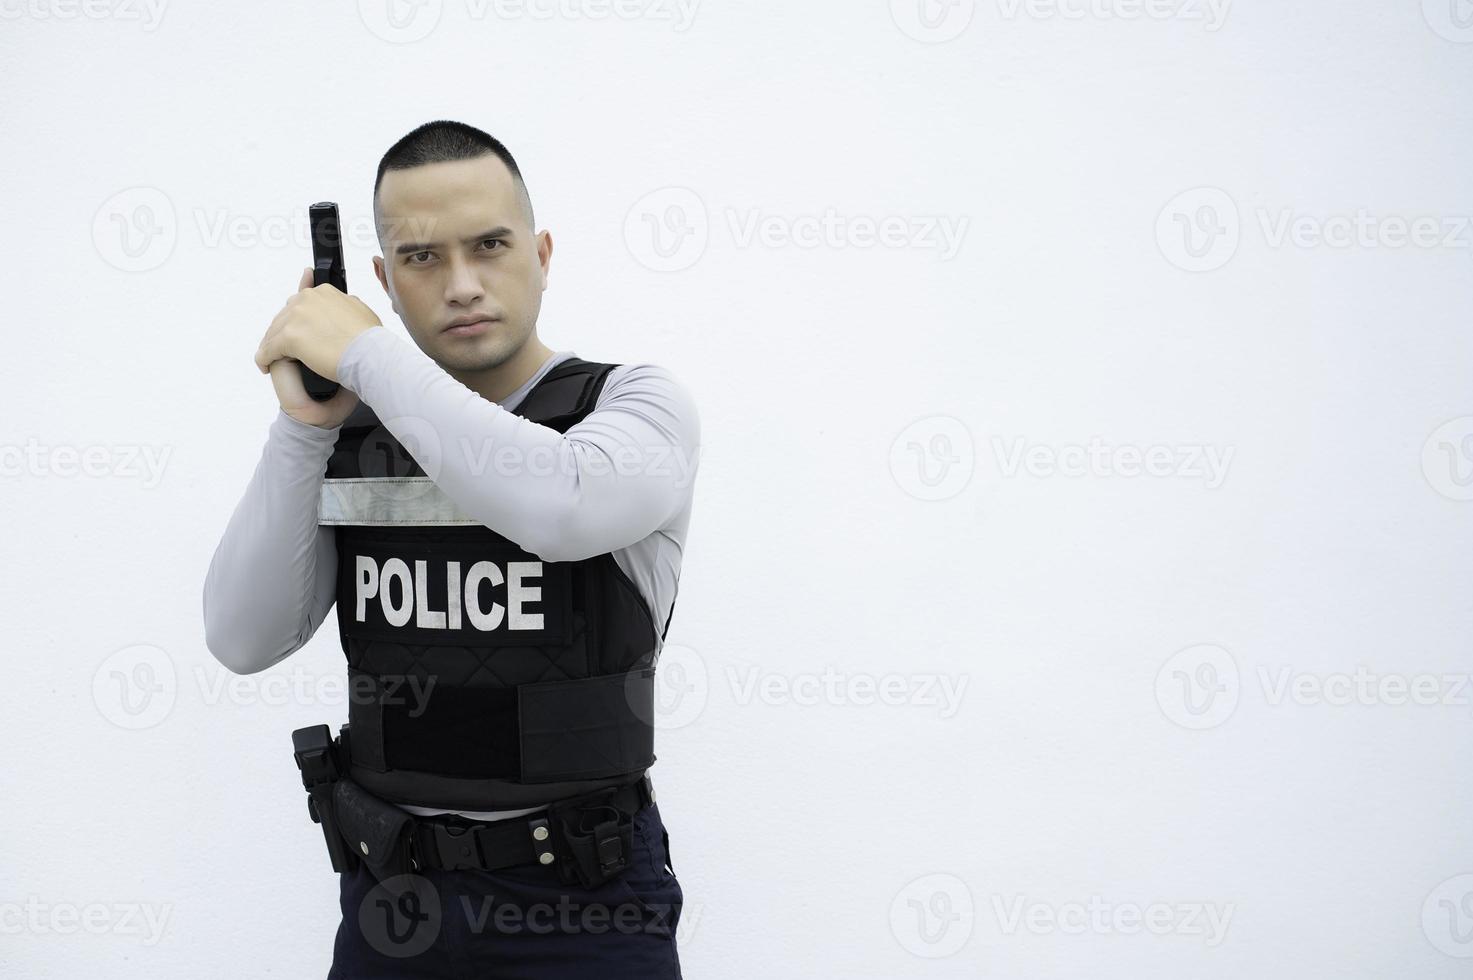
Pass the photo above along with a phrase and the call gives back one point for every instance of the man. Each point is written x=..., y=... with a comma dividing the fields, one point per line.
x=501, y=527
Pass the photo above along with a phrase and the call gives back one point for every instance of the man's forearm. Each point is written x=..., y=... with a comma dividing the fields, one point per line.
x=612, y=480
x=270, y=582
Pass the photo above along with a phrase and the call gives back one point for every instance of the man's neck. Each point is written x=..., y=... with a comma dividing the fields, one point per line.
x=494, y=384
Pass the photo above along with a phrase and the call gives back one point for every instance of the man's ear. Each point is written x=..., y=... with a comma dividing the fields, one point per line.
x=544, y=255
x=383, y=279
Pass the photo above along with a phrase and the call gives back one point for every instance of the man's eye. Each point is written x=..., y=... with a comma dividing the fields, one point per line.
x=496, y=240
x=415, y=256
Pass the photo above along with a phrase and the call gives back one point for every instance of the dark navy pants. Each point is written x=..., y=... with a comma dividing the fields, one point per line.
x=519, y=923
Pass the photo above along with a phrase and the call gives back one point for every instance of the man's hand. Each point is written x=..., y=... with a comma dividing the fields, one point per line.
x=286, y=374
x=315, y=326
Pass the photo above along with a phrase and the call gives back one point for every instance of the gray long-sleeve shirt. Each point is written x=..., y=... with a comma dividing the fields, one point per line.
x=620, y=481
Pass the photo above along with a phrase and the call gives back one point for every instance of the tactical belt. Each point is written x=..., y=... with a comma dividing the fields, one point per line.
x=588, y=839
x=588, y=834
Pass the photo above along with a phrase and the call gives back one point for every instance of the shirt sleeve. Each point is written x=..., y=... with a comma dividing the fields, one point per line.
x=271, y=581
x=613, y=479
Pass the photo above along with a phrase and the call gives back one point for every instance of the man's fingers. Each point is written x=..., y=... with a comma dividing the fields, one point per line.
x=270, y=349
x=267, y=353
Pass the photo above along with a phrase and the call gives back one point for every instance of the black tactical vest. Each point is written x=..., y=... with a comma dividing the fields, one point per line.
x=480, y=676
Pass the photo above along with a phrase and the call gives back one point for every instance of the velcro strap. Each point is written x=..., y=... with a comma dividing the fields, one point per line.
x=546, y=732
x=366, y=720
x=587, y=728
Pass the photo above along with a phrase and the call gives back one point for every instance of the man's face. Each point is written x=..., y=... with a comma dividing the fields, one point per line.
x=457, y=243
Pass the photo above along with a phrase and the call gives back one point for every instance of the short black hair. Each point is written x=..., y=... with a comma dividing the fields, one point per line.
x=444, y=139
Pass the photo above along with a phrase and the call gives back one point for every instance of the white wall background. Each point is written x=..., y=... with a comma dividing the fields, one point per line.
x=1230, y=704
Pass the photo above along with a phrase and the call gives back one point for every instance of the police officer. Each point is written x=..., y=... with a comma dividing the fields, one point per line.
x=501, y=527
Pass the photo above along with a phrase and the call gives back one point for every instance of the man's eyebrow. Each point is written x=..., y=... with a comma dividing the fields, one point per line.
x=501, y=231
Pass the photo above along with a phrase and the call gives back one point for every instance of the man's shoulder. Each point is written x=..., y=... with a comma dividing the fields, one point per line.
x=650, y=389
x=643, y=377
x=642, y=372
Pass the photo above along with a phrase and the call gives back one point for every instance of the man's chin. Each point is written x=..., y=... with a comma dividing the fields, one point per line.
x=473, y=353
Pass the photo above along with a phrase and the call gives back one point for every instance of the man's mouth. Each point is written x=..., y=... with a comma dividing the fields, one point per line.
x=467, y=327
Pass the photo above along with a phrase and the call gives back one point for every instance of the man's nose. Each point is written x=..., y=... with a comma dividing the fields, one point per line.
x=464, y=287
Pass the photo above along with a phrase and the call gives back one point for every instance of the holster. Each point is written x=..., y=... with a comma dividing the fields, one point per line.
x=322, y=770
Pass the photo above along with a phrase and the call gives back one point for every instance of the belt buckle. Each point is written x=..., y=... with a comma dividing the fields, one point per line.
x=455, y=844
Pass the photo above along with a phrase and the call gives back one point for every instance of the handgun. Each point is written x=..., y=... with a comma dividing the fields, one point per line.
x=327, y=266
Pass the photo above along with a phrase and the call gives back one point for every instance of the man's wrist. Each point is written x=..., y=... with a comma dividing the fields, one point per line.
x=291, y=424
x=346, y=363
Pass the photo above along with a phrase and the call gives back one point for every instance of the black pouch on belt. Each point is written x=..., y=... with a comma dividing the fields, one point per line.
x=376, y=830
x=597, y=837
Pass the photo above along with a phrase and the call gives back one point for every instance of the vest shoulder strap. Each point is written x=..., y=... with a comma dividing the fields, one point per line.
x=566, y=394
